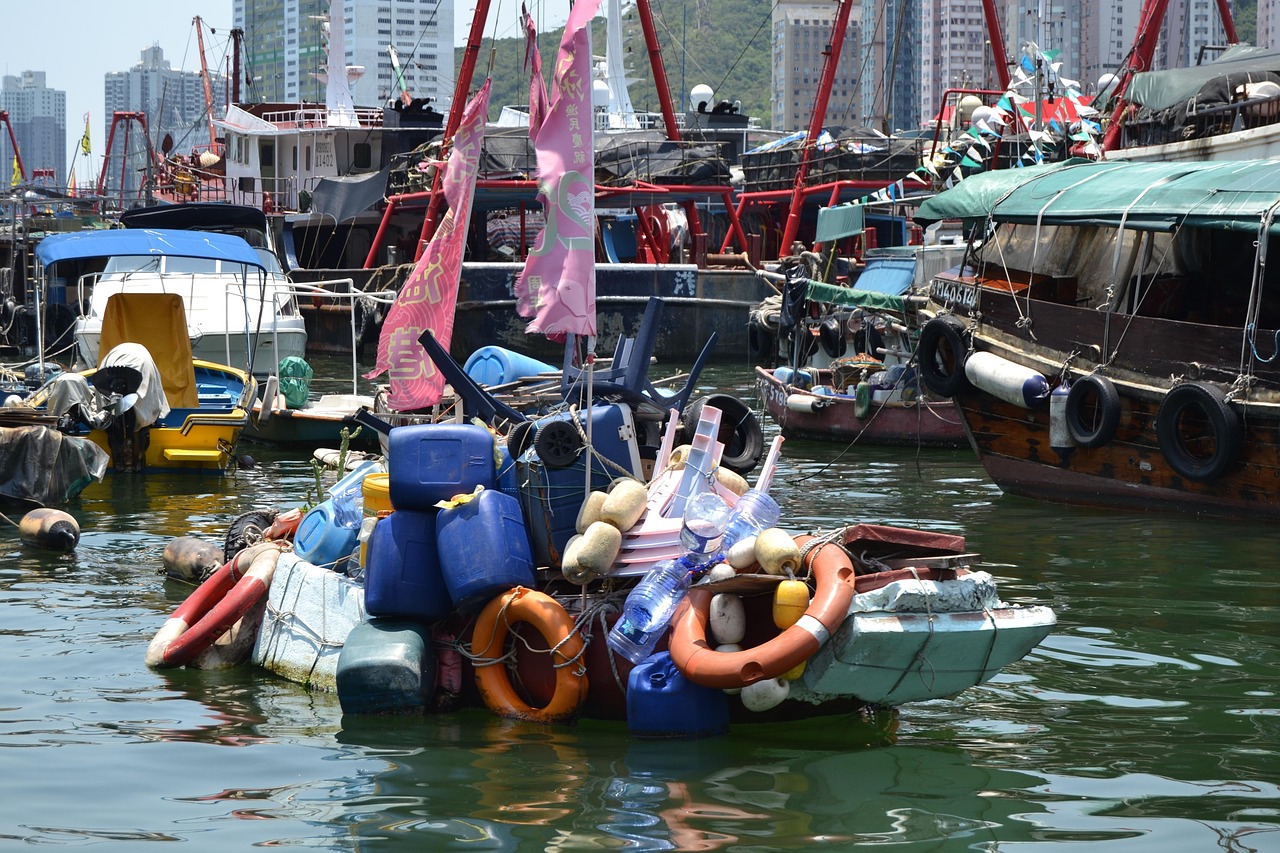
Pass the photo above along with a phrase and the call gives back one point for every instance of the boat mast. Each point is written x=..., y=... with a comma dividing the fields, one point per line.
x=208, y=87
x=831, y=58
x=13, y=140
x=659, y=71
x=997, y=43
x=460, y=91
x=1144, y=47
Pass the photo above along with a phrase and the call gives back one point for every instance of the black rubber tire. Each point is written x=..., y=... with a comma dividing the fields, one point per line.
x=245, y=530
x=1196, y=413
x=557, y=444
x=831, y=336
x=519, y=438
x=761, y=343
x=740, y=431
x=1093, y=411
x=941, y=354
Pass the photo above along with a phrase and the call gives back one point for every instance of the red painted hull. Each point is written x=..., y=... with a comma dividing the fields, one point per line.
x=925, y=423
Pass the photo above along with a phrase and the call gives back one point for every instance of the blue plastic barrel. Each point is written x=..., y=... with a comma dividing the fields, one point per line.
x=403, y=576
x=386, y=666
x=429, y=463
x=662, y=703
x=321, y=540
x=484, y=549
x=494, y=365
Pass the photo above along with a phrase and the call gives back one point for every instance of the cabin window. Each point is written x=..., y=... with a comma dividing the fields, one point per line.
x=361, y=155
x=308, y=158
x=294, y=149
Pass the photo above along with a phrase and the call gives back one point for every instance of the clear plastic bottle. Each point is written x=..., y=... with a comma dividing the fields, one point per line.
x=651, y=603
x=754, y=511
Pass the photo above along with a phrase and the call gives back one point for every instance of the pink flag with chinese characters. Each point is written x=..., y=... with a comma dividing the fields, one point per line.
x=429, y=296
x=533, y=63
x=557, y=286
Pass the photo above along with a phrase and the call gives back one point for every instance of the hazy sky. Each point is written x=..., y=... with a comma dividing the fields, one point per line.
x=76, y=42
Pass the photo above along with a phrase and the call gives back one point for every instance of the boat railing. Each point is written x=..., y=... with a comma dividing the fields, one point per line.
x=1161, y=129
x=316, y=116
x=360, y=304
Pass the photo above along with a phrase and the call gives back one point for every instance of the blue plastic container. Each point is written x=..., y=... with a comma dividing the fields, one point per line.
x=662, y=703
x=428, y=463
x=508, y=480
x=796, y=378
x=402, y=577
x=386, y=666
x=322, y=540
x=493, y=365
x=484, y=549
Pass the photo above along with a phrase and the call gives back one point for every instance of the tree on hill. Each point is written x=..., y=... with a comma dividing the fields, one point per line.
x=721, y=43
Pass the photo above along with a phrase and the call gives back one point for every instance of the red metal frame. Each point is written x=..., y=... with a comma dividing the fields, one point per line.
x=126, y=118
x=13, y=140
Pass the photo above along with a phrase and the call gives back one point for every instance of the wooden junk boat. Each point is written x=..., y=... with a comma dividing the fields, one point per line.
x=1112, y=336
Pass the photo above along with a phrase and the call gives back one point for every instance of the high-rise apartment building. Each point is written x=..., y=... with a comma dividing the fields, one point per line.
x=284, y=48
x=889, y=64
x=39, y=118
x=1189, y=27
x=1268, y=34
x=801, y=33
x=955, y=51
x=174, y=104
x=1106, y=37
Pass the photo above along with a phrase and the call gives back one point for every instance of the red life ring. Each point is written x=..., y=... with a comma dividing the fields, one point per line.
x=489, y=640
x=214, y=607
x=698, y=660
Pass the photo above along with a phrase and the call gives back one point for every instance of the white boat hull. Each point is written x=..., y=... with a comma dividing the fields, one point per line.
x=287, y=338
x=891, y=658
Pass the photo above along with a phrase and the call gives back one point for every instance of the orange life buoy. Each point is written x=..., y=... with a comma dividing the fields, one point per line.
x=699, y=662
x=214, y=607
x=489, y=640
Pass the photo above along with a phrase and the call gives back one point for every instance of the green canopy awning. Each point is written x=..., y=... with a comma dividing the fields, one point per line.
x=1155, y=196
x=973, y=198
x=853, y=297
x=1157, y=90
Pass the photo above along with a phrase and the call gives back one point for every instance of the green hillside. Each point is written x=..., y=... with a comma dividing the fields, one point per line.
x=722, y=43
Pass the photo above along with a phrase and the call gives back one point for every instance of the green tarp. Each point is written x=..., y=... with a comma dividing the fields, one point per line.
x=835, y=223
x=851, y=296
x=1158, y=90
x=973, y=198
x=1155, y=196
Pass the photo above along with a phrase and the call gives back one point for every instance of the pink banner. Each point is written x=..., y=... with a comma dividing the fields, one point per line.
x=429, y=296
x=557, y=286
x=533, y=64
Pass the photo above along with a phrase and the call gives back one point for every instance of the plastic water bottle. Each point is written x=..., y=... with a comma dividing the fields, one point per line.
x=754, y=511
x=651, y=603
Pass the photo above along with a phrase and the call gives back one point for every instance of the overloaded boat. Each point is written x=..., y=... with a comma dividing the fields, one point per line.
x=465, y=576
x=1111, y=338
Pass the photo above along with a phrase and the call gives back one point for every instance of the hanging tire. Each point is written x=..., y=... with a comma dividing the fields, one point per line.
x=761, y=342
x=941, y=354
x=831, y=336
x=1200, y=434
x=247, y=529
x=1093, y=411
x=557, y=444
x=740, y=431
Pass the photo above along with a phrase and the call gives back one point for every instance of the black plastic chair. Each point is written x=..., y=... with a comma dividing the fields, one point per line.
x=627, y=376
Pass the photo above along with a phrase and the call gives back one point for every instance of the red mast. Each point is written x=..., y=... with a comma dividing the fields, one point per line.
x=208, y=87
x=1144, y=47
x=13, y=140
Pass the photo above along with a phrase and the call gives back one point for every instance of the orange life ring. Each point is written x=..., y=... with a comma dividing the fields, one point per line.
x=214, y=607
x=489, y=640
x=698, y=660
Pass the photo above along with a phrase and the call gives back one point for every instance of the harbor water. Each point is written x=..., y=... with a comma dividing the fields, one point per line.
x=1148, y=721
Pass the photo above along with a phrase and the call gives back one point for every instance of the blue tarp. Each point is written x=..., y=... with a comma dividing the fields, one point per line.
x=893, y=276
x=146, y=241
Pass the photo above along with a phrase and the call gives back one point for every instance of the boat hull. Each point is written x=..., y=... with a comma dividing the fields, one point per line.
x=926, y=423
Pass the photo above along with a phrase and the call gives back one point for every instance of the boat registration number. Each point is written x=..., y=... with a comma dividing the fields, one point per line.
x=951, y=292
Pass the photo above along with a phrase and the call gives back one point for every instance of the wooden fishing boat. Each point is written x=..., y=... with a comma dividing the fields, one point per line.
x=1111, y=338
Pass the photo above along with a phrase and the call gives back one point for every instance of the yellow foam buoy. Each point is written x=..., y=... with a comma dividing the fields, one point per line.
x=776, y=552
x=790, y=601
x=731, y=480
x=590, y=511
x=728, y=618
x=51, y=529
x=624, y=504
x=599, y=547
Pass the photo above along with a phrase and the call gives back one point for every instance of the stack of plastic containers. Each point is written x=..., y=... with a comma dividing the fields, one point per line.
x=484, y=549
x=429, y=463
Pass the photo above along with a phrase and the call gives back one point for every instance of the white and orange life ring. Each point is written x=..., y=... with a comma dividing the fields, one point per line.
x=214, y=607
x=489, y=640
x=698, y=660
